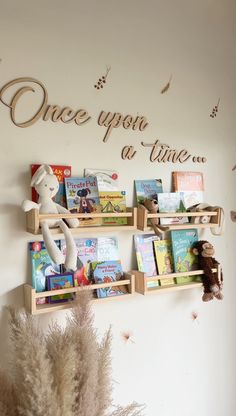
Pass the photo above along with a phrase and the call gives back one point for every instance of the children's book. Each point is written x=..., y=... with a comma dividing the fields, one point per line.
x=147, y=189
x=113, y=201
x=82, y=196
x=61, y=281
x=105, y=272
x=86, y=254
x=171, y=202
x=184, y=259
x=190, y=185
x=107, y=180
x=61, y=173
x=164, y=260
x=145, y=256
x=41, y=266
x=107, y=249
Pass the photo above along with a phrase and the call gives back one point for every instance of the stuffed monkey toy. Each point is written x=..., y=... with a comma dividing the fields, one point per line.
x=212, y=286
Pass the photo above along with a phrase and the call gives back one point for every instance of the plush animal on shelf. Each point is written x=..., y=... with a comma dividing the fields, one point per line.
x=152, y=207
x=46, y=184
x=206, y=262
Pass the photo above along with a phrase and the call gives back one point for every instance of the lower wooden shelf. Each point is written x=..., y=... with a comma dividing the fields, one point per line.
x=141, y=281
x=31, y=296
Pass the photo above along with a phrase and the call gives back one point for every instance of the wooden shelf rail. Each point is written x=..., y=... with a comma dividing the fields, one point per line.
x=142, y=282
x=30, y=295
x=33, y=219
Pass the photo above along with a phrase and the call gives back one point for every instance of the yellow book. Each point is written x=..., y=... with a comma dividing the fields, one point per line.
x=113, y=201
x=164, y=261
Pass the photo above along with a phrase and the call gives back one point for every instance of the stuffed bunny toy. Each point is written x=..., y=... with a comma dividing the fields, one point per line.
x=46, y=184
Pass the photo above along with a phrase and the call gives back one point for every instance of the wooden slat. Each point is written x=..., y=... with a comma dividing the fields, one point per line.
x=182, y=214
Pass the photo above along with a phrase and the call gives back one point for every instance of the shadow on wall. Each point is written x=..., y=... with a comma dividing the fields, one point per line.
x=14, y=298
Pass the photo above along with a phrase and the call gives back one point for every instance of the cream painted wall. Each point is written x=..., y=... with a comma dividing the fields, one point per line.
x=176, y=366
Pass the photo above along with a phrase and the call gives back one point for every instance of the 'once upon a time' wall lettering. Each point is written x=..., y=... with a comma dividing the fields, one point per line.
x=160, y=153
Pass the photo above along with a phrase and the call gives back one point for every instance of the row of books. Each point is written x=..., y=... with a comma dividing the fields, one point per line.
x=97, y=262
x=174, y=255
x=98, y=191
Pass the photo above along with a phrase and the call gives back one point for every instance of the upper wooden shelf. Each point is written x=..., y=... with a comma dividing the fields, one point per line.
x=143, y=220
x=33, y=219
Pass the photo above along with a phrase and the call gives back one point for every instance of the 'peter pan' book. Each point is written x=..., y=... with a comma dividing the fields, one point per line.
x=190, y=185
x=147, y=189
x=41, y=266
x=113, y=202
x=171, y=202
x=107, y=179
x=164, y=260
x=145, y=256
x=61, y=281
x=61, y=172
x=82, y=197
x=106, y=272
x=184, y=259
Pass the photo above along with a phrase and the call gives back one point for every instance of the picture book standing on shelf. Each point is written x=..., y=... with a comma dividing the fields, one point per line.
x=164, y=260
x=107, y=180
x=113, y=201
x=149, y=189
x=82, y=197
x=145, y=256
x=190, y=185
x=105, y=272
x=184, y=259
x=170, y=202
x=41, y=266
x=62, y=281
x=61, y=172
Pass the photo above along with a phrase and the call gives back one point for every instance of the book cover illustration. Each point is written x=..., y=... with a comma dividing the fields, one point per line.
x=107, y=249
x=171, y=202
x=62, y=281
x=184, y=259
x=149, y=189
x=61, y=172
x=190, y=185
x=113, y=201
x=41, y=266
x=86, y=254
x=105, y=272
x=82, y=197
x=107, y=180
x=145, y=256
x=164, y=260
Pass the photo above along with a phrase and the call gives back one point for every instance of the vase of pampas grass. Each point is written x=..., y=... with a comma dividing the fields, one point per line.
x=65, y=372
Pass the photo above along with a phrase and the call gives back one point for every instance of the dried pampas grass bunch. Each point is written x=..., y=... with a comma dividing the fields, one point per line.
x=65, y=372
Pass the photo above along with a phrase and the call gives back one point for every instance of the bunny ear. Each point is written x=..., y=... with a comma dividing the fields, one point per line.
x=39, y=175
x=48, y=169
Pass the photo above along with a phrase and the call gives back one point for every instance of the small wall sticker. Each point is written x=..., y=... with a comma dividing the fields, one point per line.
x=102, y=81
x=167, y=86
x=215, y=110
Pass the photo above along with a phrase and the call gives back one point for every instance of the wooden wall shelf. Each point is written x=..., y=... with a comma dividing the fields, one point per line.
x=31, y=296
x=33, y=219
x=143, y=219
x=141, y=281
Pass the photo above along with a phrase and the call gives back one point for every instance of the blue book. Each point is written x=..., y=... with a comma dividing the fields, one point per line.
x=61, y=281
x=42, y=266
x=184, y=259
x=147, y=189
x=105, y=272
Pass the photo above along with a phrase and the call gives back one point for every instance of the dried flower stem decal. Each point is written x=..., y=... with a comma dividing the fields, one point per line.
x=167, y=86
x=102, y=80
x=215, y=109
x=127, y=336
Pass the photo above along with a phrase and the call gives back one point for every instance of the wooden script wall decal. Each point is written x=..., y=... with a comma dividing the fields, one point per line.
x=160, y=153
